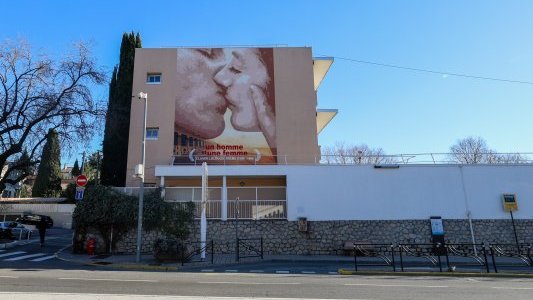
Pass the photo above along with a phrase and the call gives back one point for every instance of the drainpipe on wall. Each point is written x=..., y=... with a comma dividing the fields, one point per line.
x=468, y=212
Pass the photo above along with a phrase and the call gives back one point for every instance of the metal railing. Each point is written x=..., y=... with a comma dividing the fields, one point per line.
x=455, y=255
x=364, y=159
x=247, y=248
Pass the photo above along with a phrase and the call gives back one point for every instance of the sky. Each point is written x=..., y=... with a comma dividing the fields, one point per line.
x=399, y=110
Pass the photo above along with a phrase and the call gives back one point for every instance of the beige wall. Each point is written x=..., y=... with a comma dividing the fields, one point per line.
x=160, y=111
x=295, y=100
x=295, y=105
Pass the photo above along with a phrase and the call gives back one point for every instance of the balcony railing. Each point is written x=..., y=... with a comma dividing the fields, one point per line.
x=255, y=203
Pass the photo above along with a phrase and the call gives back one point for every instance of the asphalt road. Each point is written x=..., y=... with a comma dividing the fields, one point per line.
x=53, y=283
x=29, y=272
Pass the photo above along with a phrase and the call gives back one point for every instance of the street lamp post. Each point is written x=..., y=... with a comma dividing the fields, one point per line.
x=140, y=173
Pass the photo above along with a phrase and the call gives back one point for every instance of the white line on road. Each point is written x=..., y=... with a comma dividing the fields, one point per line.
x=90, y=296
x=106, y=279
x=231, y=271
x=282, y=272
x=249, y=283
x=512, y=288
x=12, y=253
x=333, y=273
x=207, y=270
x=4, y=276
x=308, y=272
x=397, y=285
x=44, y=258
x=257, y=271
x=24, y=257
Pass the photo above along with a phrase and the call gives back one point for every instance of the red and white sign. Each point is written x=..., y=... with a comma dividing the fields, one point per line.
x=81, y=180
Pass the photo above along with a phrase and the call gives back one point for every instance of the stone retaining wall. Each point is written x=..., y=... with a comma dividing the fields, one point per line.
x=328, y=237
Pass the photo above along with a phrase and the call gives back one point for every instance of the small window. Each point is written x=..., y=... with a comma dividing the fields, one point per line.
x=153, y=78
x=152, y=133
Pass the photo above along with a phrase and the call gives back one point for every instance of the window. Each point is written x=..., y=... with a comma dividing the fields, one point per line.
x=153, y=78
x=152, y=133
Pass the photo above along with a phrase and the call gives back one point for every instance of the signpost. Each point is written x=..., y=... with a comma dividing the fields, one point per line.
x=79, y=193
x=510, y=204
x=81, y=182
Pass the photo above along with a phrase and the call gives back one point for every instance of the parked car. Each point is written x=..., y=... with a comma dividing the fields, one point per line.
x=17, y=229
x=35, y=219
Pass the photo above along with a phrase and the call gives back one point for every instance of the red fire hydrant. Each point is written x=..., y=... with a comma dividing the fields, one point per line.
x=91, y=244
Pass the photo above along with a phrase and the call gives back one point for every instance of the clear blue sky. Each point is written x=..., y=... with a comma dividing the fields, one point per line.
x=400, y=111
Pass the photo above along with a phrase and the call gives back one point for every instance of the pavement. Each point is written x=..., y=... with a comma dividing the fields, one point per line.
x=329, y=264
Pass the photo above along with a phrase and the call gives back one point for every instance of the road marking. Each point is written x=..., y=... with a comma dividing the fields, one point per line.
x=472, y=279
x=105, y=279
x=44, y=258
x=397, y=285
x=333, y=273
x=308, y=272
x=282, y=272
x=511, y=288
x=249, y=283
x=231, y=271
x=12, y=253
x=4, y=276
x=207, y=270
x=24, y=257
x=257, y=271
x=91, y=296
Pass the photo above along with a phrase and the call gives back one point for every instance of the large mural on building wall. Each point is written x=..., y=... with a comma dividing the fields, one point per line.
x=225, y=106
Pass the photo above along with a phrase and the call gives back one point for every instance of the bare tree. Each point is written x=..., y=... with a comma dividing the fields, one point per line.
x=38, y=94
x=474, y=150
x=355, y=154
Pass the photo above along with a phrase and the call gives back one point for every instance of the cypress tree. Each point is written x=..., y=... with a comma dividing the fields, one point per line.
x=76, y=169
x=116, y=134
x=48, y=180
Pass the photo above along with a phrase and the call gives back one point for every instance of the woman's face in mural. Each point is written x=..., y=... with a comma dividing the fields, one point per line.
x=200, y=103
x=243, y=69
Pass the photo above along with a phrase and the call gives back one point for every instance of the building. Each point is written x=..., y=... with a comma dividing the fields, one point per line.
x=252, y=115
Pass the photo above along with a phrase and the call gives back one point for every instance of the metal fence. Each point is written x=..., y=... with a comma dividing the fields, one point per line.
x=252, y=203
x=368, y=159
x=449, y=256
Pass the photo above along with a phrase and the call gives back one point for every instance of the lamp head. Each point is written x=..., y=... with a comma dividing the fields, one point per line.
x=142, y=96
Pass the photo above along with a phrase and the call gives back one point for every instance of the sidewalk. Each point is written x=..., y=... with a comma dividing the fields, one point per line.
x=148, y=262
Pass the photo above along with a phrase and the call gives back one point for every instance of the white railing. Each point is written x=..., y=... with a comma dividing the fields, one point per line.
x=257, y=209
x=363, y=159
x=255, y=203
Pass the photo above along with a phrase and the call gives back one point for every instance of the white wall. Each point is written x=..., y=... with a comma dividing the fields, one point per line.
x=410, y=192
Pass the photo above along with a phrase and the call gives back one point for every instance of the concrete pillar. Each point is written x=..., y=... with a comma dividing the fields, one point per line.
x=162, y=186
x=224, y=204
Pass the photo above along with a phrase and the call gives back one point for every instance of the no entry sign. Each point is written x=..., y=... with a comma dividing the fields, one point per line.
x=81, y=180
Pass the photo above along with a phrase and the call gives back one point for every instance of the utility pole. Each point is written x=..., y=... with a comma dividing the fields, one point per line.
x=98, y=167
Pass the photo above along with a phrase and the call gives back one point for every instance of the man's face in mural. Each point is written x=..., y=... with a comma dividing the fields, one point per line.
x=200, y=104
x=243, y=69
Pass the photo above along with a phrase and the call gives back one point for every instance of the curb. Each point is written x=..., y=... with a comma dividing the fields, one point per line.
x=435, y=274
x=118, y=266
x=9, y=245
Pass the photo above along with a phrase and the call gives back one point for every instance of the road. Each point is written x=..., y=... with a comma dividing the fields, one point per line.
x=30, y=272
x=52, y=283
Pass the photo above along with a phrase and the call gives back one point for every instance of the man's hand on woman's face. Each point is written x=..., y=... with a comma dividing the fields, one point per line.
x=265, y=116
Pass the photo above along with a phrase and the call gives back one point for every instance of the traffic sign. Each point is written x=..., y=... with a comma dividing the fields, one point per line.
x=79, y=193
x=81, y=180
